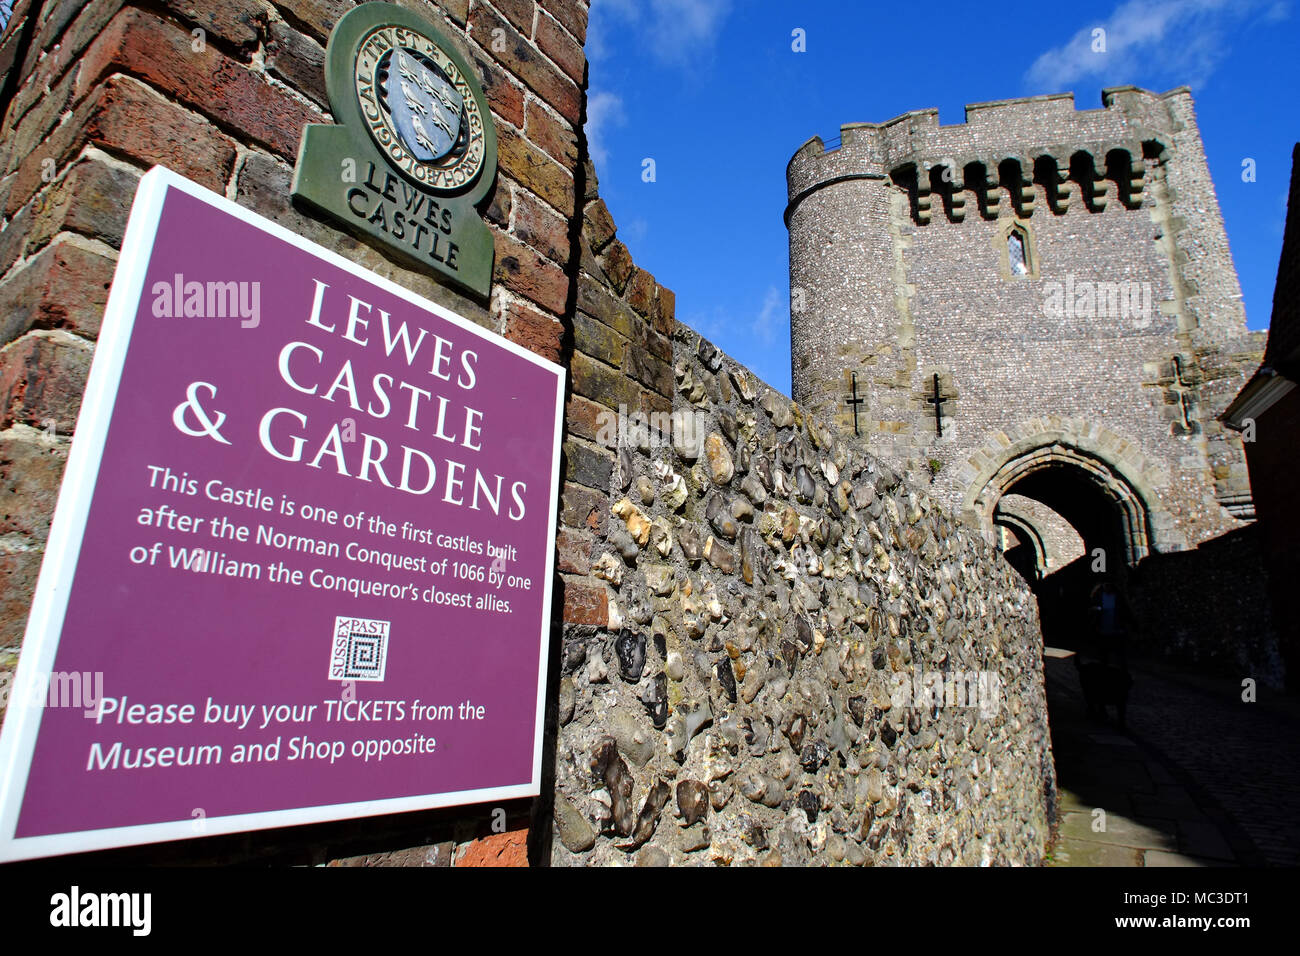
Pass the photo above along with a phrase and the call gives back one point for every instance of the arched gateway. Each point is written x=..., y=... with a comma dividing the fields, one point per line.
x=1087, y=474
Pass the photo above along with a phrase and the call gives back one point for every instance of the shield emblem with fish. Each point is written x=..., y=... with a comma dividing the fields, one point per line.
x=425, y=108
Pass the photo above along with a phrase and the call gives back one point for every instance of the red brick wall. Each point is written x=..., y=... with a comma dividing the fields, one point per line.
x=99, y=92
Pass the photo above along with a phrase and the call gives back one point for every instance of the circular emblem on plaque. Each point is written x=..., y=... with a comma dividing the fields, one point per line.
x=412, y=150
x=419, y=108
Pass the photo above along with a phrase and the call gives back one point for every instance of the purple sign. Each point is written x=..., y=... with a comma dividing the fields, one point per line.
x=301, y=561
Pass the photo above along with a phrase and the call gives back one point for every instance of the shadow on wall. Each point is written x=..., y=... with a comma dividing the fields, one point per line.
x=1205, y=608
x=1209, y=608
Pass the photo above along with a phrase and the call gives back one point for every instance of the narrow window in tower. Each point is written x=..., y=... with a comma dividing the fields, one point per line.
x=1016, y=254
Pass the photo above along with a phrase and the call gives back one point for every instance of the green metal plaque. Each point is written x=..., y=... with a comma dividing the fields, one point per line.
x=414, y=149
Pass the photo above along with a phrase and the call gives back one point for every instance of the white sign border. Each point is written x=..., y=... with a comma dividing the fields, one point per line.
x=67, y=529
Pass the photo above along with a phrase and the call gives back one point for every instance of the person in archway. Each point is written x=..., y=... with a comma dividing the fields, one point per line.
x=1103, y=664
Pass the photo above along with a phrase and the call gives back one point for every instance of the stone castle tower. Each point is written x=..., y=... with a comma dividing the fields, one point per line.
x=1036, y=310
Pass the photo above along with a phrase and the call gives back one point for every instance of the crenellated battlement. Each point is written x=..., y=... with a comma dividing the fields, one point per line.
x=1017, y=151
x=937, y=341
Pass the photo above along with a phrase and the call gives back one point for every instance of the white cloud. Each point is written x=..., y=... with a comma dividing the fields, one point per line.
x=1178, y=41
x=634, y=232
x=764, y=327
x=603, y=20
x=724, y=328
x=604, y=110
x=710, y=325
x=1278, y=11
x=674, y=31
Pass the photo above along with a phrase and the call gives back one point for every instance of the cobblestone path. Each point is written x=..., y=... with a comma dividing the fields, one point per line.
x=1200, y=778
x=1244, y=756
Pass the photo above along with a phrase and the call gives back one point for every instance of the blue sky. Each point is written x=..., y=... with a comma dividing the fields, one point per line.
x=714, y=94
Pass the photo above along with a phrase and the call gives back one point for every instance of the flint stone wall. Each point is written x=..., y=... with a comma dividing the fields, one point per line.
x=763, y=581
